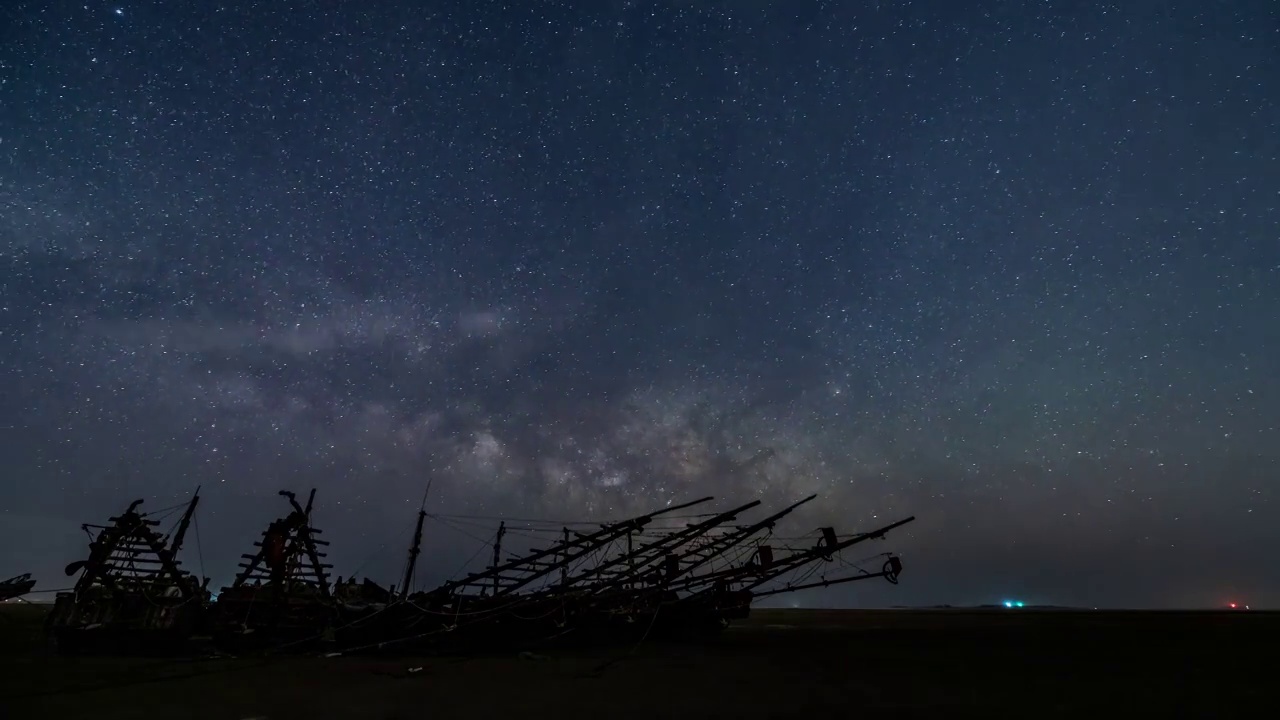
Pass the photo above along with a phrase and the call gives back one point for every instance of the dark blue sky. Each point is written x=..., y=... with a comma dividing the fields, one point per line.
x=1013, y=268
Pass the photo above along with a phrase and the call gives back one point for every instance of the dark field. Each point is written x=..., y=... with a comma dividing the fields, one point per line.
x=781, y=663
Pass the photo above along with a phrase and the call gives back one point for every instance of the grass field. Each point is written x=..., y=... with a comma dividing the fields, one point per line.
x=781, y=663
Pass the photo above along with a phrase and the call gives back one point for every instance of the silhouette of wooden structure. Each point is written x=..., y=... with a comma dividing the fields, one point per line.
x=282, y=593
x=132, y=593
x=603, y=582
x=17, y=586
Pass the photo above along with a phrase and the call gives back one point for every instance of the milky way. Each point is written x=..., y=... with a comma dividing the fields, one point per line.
x=1013, y=270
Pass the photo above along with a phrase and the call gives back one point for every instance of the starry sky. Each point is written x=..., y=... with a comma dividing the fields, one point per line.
x=1013, y=268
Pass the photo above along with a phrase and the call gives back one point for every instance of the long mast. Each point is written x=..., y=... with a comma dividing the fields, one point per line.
x=416, y=548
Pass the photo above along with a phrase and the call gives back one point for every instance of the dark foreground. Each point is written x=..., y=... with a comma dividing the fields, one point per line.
x=781, y=663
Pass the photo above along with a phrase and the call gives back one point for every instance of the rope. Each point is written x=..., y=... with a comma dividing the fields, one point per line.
x=374, y=553
x=446, y=523
x=162, y=512
x=468, y=561
x=530, y=521
x=199, y=547
x=549, y=521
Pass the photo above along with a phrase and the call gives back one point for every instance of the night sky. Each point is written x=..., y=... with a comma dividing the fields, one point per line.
x=1013, y=268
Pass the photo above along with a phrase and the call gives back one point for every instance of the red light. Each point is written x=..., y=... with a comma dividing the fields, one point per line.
x=1233, y=606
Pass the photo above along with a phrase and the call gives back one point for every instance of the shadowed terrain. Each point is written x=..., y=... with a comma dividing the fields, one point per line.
x=777, y=664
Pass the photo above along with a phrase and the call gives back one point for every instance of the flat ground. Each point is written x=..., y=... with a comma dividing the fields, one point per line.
x=781, y=663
